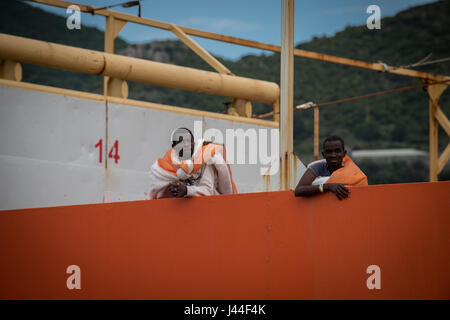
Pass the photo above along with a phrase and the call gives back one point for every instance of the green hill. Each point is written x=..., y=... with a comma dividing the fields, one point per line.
x=391, y=121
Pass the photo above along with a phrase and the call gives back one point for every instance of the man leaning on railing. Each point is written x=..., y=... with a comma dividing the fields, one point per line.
x=332, y=173
x=190, y=168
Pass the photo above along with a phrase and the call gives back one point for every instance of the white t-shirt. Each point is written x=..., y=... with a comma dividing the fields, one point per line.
x=206, y=184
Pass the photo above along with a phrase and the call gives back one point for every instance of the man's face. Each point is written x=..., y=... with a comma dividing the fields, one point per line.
x=184, y=145
x=333, y=152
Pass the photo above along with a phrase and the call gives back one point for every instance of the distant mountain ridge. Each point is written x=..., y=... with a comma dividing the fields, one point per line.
x=156, y=51
x=391, y=121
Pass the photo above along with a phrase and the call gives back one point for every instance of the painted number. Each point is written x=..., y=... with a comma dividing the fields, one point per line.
x=116, y=154
x=113, y=153
x=100, y=149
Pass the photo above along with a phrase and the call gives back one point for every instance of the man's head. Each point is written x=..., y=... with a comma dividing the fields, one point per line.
x=333, y=152
x=183, y=142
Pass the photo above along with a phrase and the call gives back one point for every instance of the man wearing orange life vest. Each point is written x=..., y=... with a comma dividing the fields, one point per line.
x=190, y=168
x=332, y=173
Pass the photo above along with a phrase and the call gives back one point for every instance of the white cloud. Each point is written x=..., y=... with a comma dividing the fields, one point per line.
x=219, y=24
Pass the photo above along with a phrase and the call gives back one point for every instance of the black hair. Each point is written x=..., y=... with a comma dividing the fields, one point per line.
x=174, y=143
x=190, y=132
x=334, y=138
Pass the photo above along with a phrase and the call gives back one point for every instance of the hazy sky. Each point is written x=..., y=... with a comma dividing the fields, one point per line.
x=258, y=20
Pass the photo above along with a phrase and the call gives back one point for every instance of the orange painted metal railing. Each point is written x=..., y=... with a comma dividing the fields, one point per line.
x=247, y=246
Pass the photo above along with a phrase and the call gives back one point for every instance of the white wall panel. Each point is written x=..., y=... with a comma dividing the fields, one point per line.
x=247, y=177
x=48, y=126
x=31, y=183
x=47, y=149
x=48, y=155
x=143, y=134
x=126, y=185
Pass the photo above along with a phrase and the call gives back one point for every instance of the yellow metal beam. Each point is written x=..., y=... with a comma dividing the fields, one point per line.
x=113, y=27
x=117, y=88
x=10, y=70
x=202, y=53
x=434, y=93
x=137, y=103
x=253, y=44
x=126, y=68
x=443, y=120
x=445, y=123
x=113, y=87
x=242, y=107
x=276, y=111
x=443, y=159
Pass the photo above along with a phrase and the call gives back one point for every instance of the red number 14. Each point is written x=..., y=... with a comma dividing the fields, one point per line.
x=115, y=148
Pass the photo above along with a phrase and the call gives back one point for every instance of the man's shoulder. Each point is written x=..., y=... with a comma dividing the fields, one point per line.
x=319, y=167
x=317, y=163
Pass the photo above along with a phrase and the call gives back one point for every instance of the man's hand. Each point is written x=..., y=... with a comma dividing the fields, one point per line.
x=338, y=189
x=178, y=189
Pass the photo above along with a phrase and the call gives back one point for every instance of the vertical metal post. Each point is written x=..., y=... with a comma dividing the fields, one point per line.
x=433, y=141
x=287, y=160
x=276, y=111
x=109, y=46
x=316, y=133
x=113, y=87
x=434, y=93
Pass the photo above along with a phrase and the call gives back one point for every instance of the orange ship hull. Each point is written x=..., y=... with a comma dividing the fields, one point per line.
x=246, y=246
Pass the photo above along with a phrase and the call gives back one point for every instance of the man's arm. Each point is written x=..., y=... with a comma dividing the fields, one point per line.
x=177, y=189
x=158, y=183
x=304, y=187
x=205, y=186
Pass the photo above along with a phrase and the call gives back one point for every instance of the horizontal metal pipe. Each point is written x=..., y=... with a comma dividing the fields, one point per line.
x=94, y=62
x=249, y=43
x=50, y=55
